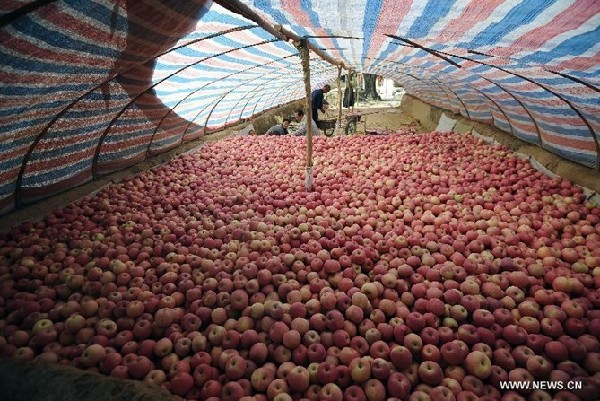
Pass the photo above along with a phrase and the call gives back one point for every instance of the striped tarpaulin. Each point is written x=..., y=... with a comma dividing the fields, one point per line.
x=90, y=87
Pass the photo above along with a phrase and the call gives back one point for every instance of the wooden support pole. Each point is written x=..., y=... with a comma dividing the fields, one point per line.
x=339, y=85
x=358, y=87
x=349, y=85
x=302, y=46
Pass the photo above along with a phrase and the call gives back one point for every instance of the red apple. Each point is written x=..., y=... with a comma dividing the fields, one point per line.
x=478, y=364
x=430, y=373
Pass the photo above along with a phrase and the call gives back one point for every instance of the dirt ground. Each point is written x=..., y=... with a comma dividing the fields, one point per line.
x=31, y=381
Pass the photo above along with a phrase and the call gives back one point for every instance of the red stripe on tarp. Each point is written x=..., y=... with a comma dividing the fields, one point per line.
x=303, y=19
x=568, y=142
x=582, y=63
x=391, y=14
x=476, y=12
x=42, y=166
x=569, y=19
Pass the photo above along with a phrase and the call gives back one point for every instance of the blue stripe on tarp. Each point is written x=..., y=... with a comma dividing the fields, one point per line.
x=214, y=15
x=33, y=89
x=278, y=16
x=580, y=157
x=370, y=19
x=171, y=123
x=574, y=47
x=55, y=104
x=525, y=136
x=194, y=104
x=60, y=40
x=11, y=163
x=563, y=111
x=501, y=123
x=227, y=82
x=432, y=13
x=519, y=15
x=28, y=66
x=102, y=14
x=314, y=18
x=564, y=130
x=56, y=153
x=581, y=101
x=17, y=125
x=590, y=76
x=91, y=113
x=37, y=180
x=535, y=96
x=124, y=154
x=7, y=189
x=553, y=80
x=255, y=51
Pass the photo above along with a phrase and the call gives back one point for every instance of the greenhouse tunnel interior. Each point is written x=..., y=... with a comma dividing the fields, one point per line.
x=93, y=87
x=90, y=89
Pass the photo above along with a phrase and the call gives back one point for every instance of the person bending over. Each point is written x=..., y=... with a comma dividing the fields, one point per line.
x=279, y=129
x=300, y=117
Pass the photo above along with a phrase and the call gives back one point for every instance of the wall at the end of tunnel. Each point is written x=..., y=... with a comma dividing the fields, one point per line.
x=271, y=117
x=429, y=117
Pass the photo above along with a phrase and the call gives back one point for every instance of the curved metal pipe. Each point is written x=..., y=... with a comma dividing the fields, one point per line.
x=585, y=121
x=514, y=98
x=208, y=118
x=38, y=138
x=135, y=98
x=172, y=110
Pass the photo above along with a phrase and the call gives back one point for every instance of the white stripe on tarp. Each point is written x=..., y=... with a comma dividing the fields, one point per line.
x=496, y=16
x=554, y=41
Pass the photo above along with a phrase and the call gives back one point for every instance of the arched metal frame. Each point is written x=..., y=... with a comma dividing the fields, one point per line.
x=42, y=134
x=439, y=84
x=444, y=87
x=500, y=109
x=242, y=112
x=567, y=76
x=206, y=123
x=563, y=99
x=24, y=10
x=249, y=92
x=196, y=116
x=244, y=97
x=172, y=110
x=291, y=85
x=135, y=98
x=533, y=120
x=436, y=83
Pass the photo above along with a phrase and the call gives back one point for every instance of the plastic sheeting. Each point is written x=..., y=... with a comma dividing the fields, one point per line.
x=89, y=87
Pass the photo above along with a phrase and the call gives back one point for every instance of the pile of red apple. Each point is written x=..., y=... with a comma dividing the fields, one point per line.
x=421, y=267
